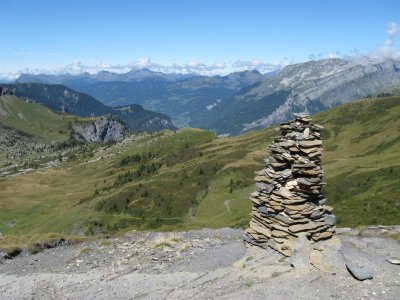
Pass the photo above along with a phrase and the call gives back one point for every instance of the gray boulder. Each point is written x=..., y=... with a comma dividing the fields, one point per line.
x=358, y=272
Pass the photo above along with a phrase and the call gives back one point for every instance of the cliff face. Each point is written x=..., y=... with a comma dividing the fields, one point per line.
x=316, y=86
x=102, y=130
x=307, y=87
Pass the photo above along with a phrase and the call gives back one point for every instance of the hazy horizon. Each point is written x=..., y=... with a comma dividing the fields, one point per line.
x=202, y=37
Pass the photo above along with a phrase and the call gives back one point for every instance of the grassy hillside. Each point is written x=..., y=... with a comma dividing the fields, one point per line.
x=59, y=98
x=362, y=160
x=191, y=179
x=34, y=119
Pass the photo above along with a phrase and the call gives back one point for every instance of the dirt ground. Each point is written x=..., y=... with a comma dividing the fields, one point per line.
x=203, y=264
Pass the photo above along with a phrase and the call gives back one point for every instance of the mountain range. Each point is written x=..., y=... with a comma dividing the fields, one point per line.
x=242, y=101
x=187, y=99
x=60, y=98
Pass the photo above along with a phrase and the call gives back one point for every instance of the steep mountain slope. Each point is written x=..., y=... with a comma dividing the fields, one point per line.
x=143, y=119
x=191, y=179
x=61, y=98
x=41, y=124
x=362, y=163
x=312, y=86
x=187, y=99
x=33, y=119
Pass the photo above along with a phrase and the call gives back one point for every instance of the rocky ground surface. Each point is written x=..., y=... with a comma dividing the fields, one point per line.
x=203, y=264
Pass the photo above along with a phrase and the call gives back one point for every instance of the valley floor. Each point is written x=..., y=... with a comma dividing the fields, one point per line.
x=202, y=264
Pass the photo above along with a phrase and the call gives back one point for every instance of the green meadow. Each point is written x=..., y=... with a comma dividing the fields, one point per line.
x=192, y=179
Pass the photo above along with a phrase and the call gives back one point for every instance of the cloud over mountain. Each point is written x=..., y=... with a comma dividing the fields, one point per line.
x=385, y=51
x=191, y=67
x=388, y=49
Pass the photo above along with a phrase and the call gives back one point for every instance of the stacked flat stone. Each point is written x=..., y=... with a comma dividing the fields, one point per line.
x=289, y=201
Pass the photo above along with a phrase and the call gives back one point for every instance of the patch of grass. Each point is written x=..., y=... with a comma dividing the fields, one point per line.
x=176, y=239
x=162, y=245
x=166, y=240
x=12, y=251
x=36, y=120
x=84, y=251
x=277, y=274
x=184, y=247
x=35, y=243
x=395, y=236
x=134, y=254
x=105, y=243
x=247, y=284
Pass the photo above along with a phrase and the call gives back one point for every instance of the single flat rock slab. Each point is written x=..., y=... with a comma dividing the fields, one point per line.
x=358, y=272
x=307, y=144
x=284, y=219
x=263, y=178
x=259, y=229
x=250, y=240
x=332, y=256
x=300, y=258
x=261, y=186
x=279, y=234
x=306, y=132
x=305, y=227
x=394, y=261
x=306, y=165
x=318, y=260
x=287, y=143
x=330, y=220
x=285, y=193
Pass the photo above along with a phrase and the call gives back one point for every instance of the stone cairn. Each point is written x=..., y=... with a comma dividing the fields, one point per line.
x=289, y=201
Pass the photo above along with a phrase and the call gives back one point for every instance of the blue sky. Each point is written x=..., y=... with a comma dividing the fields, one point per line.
x=88, y=35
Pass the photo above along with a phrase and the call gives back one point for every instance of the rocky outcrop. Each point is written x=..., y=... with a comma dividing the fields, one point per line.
x=5, y=91
x=102, y=130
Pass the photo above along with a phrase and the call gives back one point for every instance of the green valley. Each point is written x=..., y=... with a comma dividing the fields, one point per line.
x=192, y=179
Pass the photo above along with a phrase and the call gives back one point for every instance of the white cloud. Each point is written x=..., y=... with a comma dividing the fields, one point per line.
x=393, y=29
x=211, y=106
x=219, y=65
x=256, y=64
x=388, y=50
x=320, y=56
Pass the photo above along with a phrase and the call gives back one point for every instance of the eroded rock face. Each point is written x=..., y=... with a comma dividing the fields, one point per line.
x=102, y=130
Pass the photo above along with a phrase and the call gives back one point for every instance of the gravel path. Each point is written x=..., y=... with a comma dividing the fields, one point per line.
x=197, y=265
